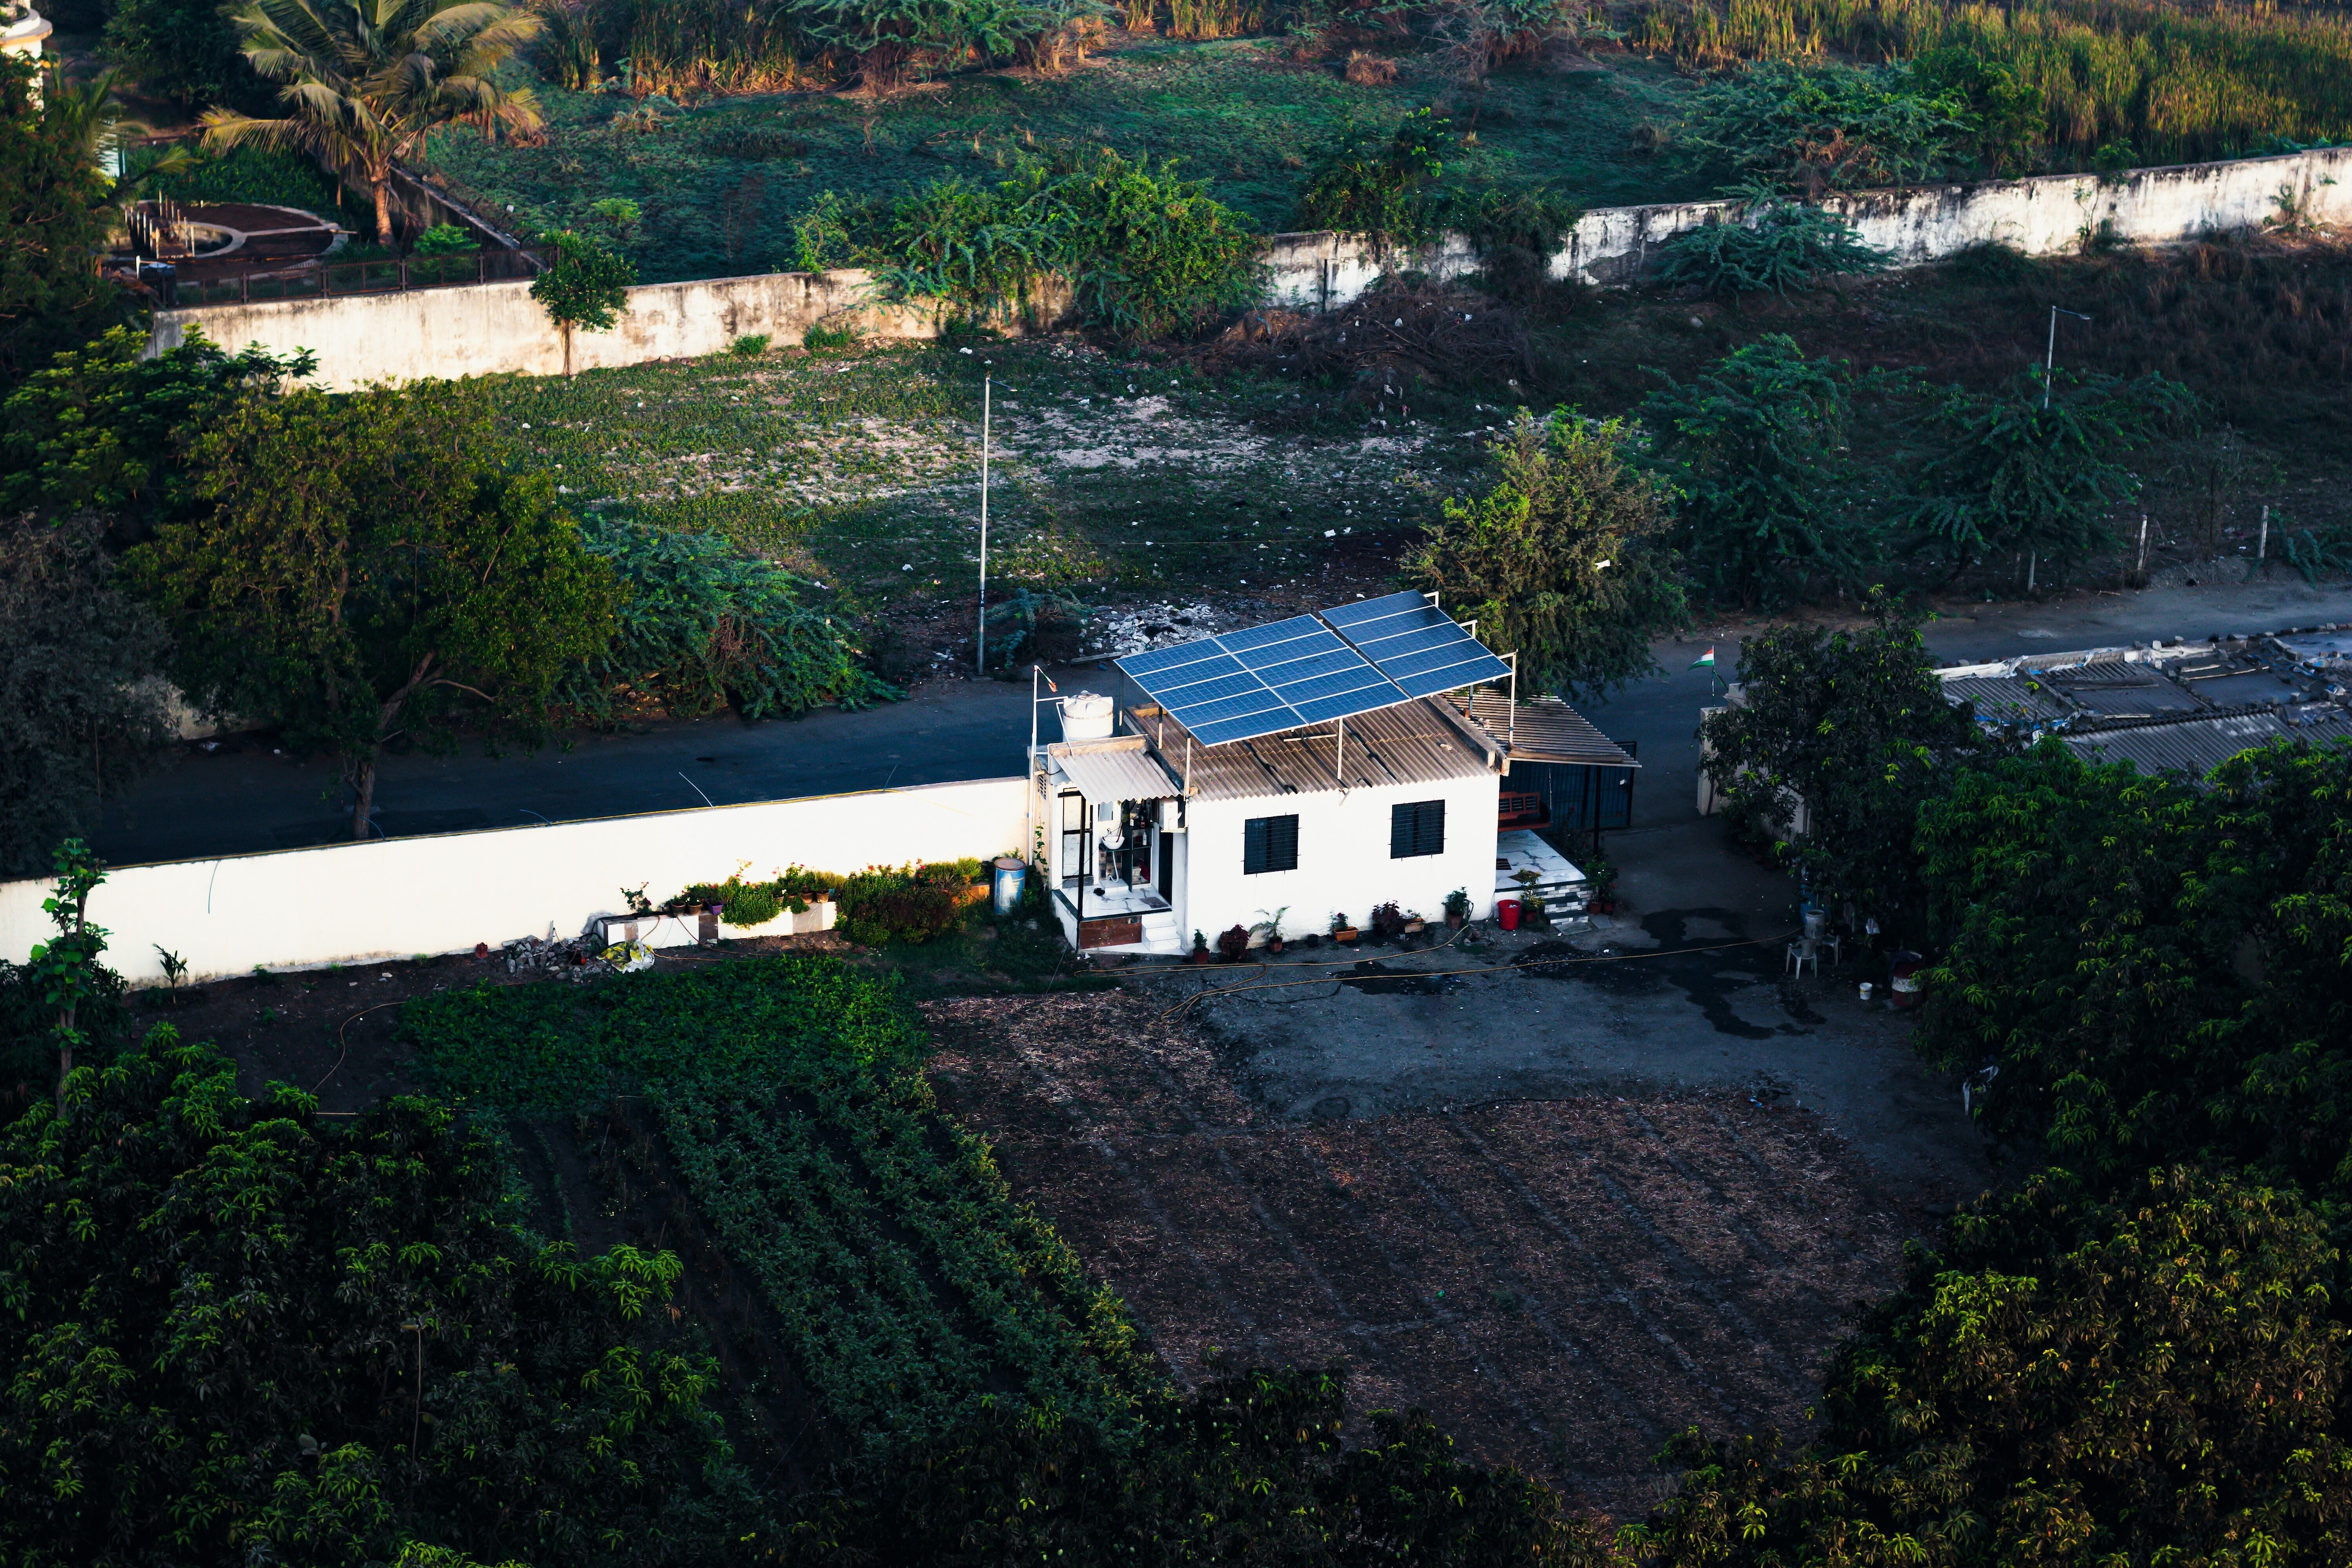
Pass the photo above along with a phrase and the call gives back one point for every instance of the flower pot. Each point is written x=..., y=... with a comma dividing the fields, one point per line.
x=1345, y=933
x=1453, y=922
x=1199, y=955
x=1273, y=946
x=1414, y=928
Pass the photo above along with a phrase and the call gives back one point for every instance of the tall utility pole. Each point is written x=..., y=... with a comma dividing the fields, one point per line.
x=2048, y=370
x=980, y=637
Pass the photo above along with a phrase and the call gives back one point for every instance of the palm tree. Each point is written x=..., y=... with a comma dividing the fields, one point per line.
x=367, y=80
x=89, y=115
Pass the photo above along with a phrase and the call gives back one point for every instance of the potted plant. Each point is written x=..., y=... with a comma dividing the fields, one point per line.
x=1413, y=924
x=1604, y=886
x=1388, y=921
x=1233, y=943
x=1341, y=930
x=1272, y=927
x=1458, y=908
x=1200, y=954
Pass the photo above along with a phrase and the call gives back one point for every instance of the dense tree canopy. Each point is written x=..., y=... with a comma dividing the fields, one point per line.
x=56, y=209
x=1566, y=560
x=2062, y=1380
x=362, y=572
x=83, y=714
x=2158, y=972
x=219, y=1307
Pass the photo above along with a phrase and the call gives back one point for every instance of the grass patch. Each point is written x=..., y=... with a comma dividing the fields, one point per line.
x=719, y=186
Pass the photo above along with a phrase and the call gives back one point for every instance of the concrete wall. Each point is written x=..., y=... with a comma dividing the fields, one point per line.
x=396, y=897
x=2046, y=216
x=489, y=327
x=1343, y=859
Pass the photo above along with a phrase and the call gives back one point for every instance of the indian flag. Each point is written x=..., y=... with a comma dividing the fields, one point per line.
x=1705, y=660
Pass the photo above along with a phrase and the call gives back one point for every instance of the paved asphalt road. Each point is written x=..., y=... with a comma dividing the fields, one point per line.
x=243, y=799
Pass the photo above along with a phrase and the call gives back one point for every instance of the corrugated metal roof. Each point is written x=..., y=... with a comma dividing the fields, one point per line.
x=2198, y=746
x=2112, y=698
x=1412, y=743
x=2007, y=699
x=1121, y=768
x=1547, y=730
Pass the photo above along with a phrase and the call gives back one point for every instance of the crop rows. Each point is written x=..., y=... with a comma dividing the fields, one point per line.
x=908, y=1282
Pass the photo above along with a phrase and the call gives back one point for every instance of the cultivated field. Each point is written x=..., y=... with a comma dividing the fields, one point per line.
x=1562, y=1283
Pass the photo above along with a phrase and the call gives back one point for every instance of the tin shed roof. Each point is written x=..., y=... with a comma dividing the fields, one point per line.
x=1410, y=742
x=1119, y=768
x=1546, y=730
x=2198, y=746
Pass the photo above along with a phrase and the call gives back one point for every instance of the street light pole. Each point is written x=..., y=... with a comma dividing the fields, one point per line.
x=980, y=637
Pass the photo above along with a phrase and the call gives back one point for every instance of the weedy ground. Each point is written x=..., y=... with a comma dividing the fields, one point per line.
x=719, y=185
x=1125, y=477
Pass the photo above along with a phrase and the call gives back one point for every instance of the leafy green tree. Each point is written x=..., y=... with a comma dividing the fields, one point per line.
x=1385, y=190
x=1854, y=725
x=100, y=429
x=587, y=287
x=1770, y=243
x=83, y=716
x=2064, y=1381
x=2040, y=464
x=239, y=1334
x=1251, y=1468
x=2155, y=970
x=893, y=40
x=365, y=574
x=1755, y=447
x=65, y=969
x=366, y=82
x=56, y=211
x=1568, y=560
x=184, y=50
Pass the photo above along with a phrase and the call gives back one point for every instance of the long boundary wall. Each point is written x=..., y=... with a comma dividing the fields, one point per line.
x=491, y=328
x=395, y=898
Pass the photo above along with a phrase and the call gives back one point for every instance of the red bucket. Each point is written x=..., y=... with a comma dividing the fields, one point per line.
x=1904, y=980
x=1506, y=914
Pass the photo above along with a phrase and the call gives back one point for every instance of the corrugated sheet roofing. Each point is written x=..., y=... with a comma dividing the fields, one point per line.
x=2007, y=699
x=1121, y=768
x=2198, y=746
x=1412, y=743
x=1546, y=731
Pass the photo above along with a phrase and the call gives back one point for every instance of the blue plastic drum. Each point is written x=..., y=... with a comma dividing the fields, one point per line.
x=1011, y=874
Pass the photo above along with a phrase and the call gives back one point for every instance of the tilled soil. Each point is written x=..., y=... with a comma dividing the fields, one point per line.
x=1562, y=1283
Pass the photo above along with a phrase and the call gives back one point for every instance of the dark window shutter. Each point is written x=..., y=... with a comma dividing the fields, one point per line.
x=1269, y=844
x=1417, y=828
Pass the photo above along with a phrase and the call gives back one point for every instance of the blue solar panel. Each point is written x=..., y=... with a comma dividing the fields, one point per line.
x=1261, y=680
x=1416, y=645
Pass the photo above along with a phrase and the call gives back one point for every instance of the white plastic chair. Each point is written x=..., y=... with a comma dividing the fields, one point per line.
x=1802, y=952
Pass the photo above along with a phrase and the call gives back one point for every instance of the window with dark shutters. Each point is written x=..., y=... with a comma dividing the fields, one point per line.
x=1269, y=844
x=1418, y=828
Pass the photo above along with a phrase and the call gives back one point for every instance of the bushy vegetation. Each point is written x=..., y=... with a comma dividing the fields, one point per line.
x=1767, y=243
x=239, y=1333
x=2056, y=81
x=701, y=625
x=56, y=207
x=792, y=1097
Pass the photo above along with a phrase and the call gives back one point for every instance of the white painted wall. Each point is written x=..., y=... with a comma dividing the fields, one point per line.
x=1343, y=859
x=485, y=329
x=396, y=897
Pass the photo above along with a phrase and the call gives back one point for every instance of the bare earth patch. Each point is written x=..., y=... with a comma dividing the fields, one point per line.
x=1562, y=1283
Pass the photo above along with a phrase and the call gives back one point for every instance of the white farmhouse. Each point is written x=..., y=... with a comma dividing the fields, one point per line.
x=1318, y=766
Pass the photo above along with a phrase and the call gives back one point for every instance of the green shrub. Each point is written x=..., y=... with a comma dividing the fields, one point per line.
x=743, y=903
x=750, y=345
x=1385, y=190
x=1811, y=132
x=704, y=625
x=1772, y=244
x=821, y=339
x=445, y=240
x=908, y=904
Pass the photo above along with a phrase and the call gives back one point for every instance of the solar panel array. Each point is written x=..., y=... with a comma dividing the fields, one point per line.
x=1261, y=681
x=1299, y=671
x=1416, y=645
